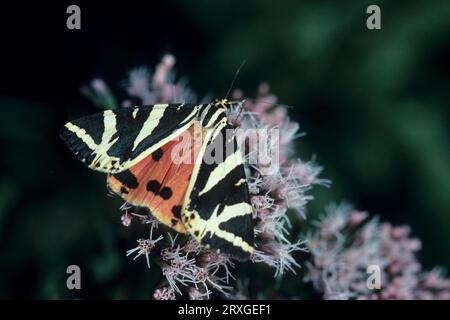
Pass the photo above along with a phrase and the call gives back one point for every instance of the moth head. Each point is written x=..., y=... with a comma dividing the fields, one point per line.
x=225, y=104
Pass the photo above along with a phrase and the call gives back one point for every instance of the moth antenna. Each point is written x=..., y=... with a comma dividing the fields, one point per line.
x=234, y=78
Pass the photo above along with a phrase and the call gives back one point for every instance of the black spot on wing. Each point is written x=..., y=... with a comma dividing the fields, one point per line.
x=153, y=186
x=127, y=178
x=176, y=210
x=157, y=154
x=165, y=193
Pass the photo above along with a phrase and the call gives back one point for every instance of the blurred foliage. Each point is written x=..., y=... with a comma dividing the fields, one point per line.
x=375, y=106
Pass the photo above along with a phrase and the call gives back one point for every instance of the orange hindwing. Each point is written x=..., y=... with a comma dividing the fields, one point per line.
x=159, y=181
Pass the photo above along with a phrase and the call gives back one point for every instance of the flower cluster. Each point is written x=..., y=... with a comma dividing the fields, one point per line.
x=346, y=243
x=278, y=185
x=197, y=269
x=189, y=269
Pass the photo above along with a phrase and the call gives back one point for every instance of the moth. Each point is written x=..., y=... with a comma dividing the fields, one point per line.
x=135, y=147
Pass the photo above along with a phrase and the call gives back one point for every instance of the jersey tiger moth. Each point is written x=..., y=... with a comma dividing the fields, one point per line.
x=135, y=146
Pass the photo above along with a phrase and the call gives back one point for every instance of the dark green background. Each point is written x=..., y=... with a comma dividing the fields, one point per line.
x=374, y=104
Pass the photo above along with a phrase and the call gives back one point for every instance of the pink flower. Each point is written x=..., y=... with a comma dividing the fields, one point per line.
x=145, y=247
x=344, y=246
x=164, y=294
x=126, y=219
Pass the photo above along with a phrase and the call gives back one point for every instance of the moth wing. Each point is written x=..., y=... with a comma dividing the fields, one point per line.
x=114, y=141
x=217, y=209
x=159, y=181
